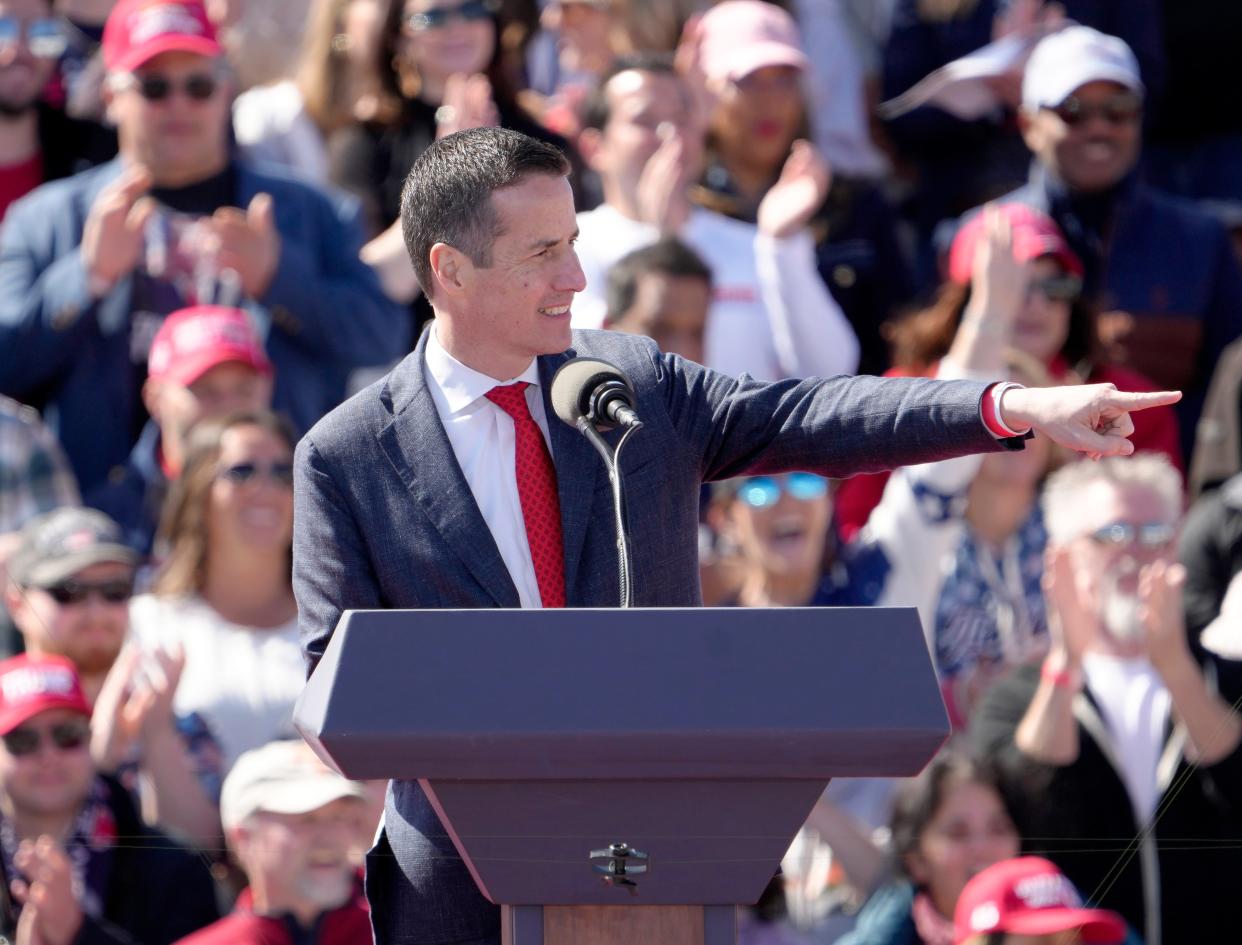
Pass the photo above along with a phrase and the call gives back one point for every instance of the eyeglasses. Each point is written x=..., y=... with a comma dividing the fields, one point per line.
x=156, y=88
x=761, y=492
x=44, y=38
x=1065, y=288
x=1148, y=535
x=472, y=11
x=280, y=474
x=67, y=736
x=72, y=591
x=1118, y=110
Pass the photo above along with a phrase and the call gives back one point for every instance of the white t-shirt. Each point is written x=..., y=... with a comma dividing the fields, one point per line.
x=242, y=681
x=1135, y=705
x=271, y=126
x=771, y=316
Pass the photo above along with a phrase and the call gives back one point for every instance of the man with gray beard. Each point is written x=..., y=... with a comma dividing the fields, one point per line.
x=38, y=143
x=1123, y=747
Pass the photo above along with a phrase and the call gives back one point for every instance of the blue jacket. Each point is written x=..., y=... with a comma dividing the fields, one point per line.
x=133, y=494
x=67, y=352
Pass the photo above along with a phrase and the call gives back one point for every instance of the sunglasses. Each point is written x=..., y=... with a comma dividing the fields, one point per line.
x=44, y=38
x=156, y=88
x=72, y=591
x=1118, y=110
x=67, y=736
x=1057, y=288
x=1146, y=535
x=762, y=492
x=280, y=474
x=472, y=11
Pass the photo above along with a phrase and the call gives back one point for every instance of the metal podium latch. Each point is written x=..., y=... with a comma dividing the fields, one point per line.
x=621, y=867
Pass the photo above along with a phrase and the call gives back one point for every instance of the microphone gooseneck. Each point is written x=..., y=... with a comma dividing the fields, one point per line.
x=593, y=397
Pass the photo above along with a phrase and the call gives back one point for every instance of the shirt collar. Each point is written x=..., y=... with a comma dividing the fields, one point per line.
x=462, y=385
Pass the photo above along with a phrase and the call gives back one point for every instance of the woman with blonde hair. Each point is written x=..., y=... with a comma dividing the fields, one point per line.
x=222, y=595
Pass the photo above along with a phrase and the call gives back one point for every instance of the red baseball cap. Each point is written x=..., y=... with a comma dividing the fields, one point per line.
x=1029, y=896
x=139, y=30
x=194, y=340
x=33, y=684
x=1034, y=235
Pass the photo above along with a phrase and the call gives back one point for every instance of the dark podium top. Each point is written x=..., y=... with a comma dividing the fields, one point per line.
x=699, y=736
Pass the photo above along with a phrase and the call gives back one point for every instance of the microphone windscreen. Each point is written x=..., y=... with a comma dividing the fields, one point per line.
x=573, y=383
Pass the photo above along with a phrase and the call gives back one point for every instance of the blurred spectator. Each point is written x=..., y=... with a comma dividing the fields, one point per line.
x=1210, y=547
x=34, y=476
x=89, y=267
x=262, y=39
x=290, y=122
x=1126, y=731
x=771, y=315
x=755, y=70
x=1161, y=272
x=1025, y=294
x=948, y=824
x=1218, y=438
x=37, y=141
x=205, y=362
x=586, y=37
x=222, y=595
x=75, y=85
x=1028, y=900
x=440, y=69
x=1195, y=140
x=836, y=85
x=80, y=866
x=662, y=291
x=71, y=581
x=960, y=164
x=292, y=824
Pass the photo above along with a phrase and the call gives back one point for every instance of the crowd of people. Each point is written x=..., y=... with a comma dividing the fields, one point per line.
x=202, y=254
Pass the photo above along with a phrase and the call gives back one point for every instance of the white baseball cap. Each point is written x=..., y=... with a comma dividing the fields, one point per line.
x=1072, y=57
x=281, y=778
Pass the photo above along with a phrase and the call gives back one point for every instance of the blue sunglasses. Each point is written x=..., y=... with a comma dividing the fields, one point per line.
x=762, y=492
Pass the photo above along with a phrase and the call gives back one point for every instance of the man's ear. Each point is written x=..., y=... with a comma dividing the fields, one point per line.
x=590, y=141
x=451, y=269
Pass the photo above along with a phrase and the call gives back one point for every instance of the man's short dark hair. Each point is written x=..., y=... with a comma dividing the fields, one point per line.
x=447, y=197
x=595, y=110
x=668, y=257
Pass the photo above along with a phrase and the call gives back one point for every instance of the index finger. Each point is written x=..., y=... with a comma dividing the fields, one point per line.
x=1141, y=400
x=133, y=183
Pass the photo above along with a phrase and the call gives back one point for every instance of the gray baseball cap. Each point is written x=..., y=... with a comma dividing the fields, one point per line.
x=59, y=544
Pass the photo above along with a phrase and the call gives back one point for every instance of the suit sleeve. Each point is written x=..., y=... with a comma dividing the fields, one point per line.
x=328, y=299
x=836, y=426
x=331, y=567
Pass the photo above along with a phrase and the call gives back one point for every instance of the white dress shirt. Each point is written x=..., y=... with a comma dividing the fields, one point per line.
x=482, y=438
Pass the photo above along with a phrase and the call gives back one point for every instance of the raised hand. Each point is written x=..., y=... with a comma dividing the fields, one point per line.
x=662, y=195
x=798, y=193
x=245, y=241
x=50, y=911
x=1071, y=620
x=112, y=237
x=1092, y=418
x=137, y=695
x=998, y=282
x=1164, y=624
x=467, y=103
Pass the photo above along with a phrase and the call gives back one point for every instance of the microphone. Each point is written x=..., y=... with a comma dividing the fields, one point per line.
x=594, y=391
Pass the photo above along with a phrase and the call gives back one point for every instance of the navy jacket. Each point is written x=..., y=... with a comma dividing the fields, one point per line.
x=133, y=494
x=384, y=518
x=68, y=353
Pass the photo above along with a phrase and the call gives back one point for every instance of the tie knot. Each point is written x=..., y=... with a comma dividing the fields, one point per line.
x=511, y=398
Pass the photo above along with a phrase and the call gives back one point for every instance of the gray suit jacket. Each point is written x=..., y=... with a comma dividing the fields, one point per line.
x=384, y=519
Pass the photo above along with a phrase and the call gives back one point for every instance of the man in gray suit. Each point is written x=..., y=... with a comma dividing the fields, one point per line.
x=450, y=483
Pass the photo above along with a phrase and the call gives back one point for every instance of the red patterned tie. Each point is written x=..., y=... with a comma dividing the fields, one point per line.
x=536, y=482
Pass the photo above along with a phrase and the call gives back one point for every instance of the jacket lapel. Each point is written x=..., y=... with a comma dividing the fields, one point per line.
x=419, y=449
x=577, y=465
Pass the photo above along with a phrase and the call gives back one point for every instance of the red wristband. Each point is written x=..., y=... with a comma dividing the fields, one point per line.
x=1065, y=678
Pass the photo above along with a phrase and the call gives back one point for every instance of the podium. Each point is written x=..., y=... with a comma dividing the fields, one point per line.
x=624, y=775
